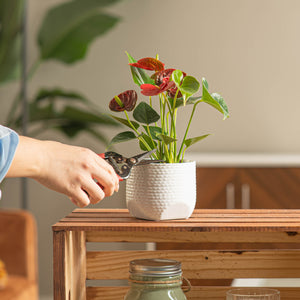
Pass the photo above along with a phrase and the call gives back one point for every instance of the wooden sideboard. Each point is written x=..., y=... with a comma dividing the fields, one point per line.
x=246, y=181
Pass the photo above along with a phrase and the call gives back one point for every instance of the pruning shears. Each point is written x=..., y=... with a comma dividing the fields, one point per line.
x=123, y=165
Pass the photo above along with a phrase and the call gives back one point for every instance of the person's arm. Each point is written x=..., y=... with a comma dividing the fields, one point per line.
x=66, y=169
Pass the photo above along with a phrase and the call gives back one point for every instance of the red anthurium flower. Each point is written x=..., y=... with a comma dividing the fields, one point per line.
x=159, y=76
x=128, y=98
x=149, y=63
x=153, y=90
x=172, y=91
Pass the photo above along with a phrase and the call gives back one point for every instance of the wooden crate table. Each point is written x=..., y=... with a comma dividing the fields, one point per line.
x=222, y=231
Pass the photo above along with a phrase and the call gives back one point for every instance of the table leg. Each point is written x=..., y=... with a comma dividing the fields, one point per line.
x=69, y=265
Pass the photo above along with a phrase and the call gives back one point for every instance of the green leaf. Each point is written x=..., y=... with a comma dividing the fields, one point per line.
x=179, y=101
x=44, y=94
x=139, y=76
x=191, y=141
x=125, y=122
x=122, y=137
x=69, y=28
x=205, y=83
x=215, y=100
x=189, y=87
x=154, y=131
x=80, y=115
x=144, y=113
x=177, y=77
x=10, y=39
x=152, y=144
x=70, y=129
x=166, y=139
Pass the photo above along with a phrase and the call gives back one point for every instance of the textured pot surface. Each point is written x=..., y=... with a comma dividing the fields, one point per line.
x=162, y=191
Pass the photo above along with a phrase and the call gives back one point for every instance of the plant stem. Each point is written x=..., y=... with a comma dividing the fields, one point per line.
x=186, y=132
x=172, y=130
x=139, y=135
x=33, y=68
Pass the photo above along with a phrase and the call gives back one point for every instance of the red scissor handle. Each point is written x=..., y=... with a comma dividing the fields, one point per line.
x=102, y=155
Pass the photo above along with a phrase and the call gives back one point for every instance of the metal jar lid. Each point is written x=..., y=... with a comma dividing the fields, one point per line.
x=155, y=267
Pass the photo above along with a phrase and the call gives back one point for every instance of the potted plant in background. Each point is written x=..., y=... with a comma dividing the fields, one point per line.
x=65, y=34
x=165, y=188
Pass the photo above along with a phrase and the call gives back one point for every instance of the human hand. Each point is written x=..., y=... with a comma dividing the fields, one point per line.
x=66, y=169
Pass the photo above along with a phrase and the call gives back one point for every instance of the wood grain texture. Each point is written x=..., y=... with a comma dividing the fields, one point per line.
x=69, y=265
x=258, y=228
x=270, y=187
x=211, y=186
x=273, y=188
x=202, y=220
x=201, y=264
x=196, y=293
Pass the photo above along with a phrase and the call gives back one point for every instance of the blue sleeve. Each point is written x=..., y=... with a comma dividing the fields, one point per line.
x=8, y=143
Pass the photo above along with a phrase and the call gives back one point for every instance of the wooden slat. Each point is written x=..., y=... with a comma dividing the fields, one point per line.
x=201, y=220
x=69, y=265
x=197, y=211
x=201, y=264
x=214, y=219
x=196, y=293
x=193, y=236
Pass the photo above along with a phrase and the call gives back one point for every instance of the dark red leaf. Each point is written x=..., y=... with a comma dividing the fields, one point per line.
x=149, y=63
x=128, y=98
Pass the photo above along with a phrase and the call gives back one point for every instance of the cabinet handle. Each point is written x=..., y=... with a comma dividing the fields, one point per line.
x=245, y=196
x=230, y=197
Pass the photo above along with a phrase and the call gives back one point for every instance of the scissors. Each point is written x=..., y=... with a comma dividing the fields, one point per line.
x=123, y=165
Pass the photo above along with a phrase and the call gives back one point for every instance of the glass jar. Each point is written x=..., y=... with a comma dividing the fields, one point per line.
x=152, y=279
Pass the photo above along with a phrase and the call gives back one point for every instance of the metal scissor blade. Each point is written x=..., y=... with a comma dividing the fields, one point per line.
x=139, y=157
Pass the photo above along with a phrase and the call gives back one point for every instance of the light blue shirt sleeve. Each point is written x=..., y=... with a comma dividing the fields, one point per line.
x=9, y=140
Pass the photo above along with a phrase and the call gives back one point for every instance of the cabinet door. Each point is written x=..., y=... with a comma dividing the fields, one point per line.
x=216, y=187
x=270, y=187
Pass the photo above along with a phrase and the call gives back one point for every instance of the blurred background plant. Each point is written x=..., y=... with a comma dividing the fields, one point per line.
x=65, y=35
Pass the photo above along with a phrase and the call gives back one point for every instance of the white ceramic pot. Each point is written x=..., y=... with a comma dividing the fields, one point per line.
x=161, y=191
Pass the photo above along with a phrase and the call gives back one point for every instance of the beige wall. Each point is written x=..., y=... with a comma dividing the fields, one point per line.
x=247, y=49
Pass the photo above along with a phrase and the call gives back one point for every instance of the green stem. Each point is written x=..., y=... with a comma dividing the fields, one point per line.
x=33, y=68
x=172, y=130
x=186, y=132
x=150, y=135
x=139, y=135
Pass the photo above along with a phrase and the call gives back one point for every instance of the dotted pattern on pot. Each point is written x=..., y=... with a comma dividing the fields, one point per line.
x=162, y=191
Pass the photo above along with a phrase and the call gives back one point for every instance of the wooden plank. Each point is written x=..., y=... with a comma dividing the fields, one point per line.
x=76, y=265
x=215, y=219
x=59, y=271
x=196, y=211
x=69, y=265
x=196, y=293
x=201, y=220
x=201, y=264
x=186, y=227
x=193, y=236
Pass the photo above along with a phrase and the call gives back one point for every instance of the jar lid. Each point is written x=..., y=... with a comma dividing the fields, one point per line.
x=155, y=267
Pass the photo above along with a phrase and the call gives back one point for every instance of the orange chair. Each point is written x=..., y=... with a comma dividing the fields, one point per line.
x=18, y=250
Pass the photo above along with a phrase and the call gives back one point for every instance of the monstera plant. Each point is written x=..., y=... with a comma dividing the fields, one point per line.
x=65, y=35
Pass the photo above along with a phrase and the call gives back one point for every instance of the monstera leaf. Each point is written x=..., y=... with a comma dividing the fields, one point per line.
x=68, y=29
x=10, y=39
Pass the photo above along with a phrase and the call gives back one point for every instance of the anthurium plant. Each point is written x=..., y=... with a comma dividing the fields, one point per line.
x=155, y=129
